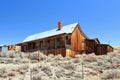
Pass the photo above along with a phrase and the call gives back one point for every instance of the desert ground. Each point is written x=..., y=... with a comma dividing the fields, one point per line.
x=25, y=66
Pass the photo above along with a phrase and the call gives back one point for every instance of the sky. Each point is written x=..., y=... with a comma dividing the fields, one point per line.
x=97, y=18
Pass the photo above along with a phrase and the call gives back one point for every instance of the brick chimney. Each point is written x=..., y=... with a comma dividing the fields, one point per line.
x=59, y=25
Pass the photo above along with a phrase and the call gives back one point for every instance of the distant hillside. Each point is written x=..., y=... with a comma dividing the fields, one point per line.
x=116, y=48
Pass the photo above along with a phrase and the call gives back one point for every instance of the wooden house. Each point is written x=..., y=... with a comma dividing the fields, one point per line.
x=102, y=49
x=65, y=40
x=94, y=46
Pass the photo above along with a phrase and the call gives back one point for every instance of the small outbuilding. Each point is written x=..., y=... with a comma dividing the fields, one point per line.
x=14, y=48
x=3, y=48
x=102, y=49
x=94, y=46
x=90, y=45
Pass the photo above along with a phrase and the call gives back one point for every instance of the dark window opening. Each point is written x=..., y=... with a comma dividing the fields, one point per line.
x=68, y=41
x=66, y=37
x=41, y=44
x=58, y=42
x=25, y=47
x=84, y=44
x=33, y=45
x=29, y=45
x=48, y=43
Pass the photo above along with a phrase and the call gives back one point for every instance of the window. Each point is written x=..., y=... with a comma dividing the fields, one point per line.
x=25, y=47
x=29, y=45
x=41, y=44
x=48, y=43
x=58, y=42
x=66, y=37
x=68, y=40
x=33, y=45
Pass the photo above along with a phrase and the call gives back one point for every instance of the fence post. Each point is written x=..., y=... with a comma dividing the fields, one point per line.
x=30, y=72
x=111, y=63
x=82, y=70
x=38, y=55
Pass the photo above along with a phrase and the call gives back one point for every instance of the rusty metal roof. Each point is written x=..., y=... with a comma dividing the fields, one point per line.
x=66, y=29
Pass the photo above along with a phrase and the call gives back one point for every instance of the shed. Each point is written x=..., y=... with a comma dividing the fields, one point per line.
x=11, y=47
x=101, y=49
x=89, y=45
x=3, y=48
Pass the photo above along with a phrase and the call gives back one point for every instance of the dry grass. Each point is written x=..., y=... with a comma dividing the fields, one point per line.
x=15, y=66
x=111, y=74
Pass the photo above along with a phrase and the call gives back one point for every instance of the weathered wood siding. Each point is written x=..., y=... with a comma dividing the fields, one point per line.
x=101, y=49
x=42, y=45
x=96, y=47
x=56, y=52
x=109, y=48
x=77, y=41
x=17, y=48
x=11, y=47
x=90, y=45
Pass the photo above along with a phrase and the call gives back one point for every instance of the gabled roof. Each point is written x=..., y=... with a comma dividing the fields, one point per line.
x=97, y=40
x=66, y=29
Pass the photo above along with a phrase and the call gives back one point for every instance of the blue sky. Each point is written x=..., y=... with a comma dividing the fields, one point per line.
x=97, y=18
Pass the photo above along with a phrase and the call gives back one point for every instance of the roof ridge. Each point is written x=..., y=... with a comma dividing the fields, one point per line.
x=54, y=28
x=66, y=29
